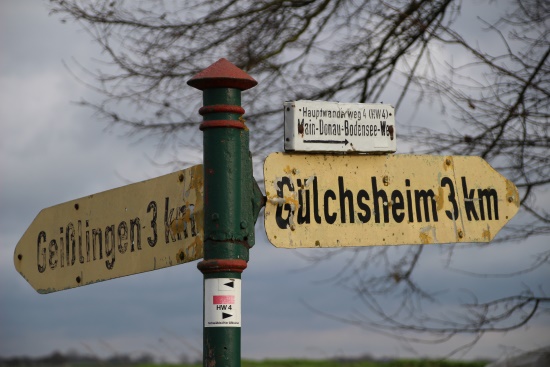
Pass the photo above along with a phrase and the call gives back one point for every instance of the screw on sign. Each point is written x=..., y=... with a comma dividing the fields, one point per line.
x=161, y=222
x=337, y=200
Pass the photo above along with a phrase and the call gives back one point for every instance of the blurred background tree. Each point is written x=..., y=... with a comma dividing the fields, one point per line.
x=493, y=88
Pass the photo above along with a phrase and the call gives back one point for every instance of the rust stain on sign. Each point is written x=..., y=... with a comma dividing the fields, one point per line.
x=365, y=200
x=425, y=237
x=440, y=198
x=486, y=233
x=132, y=229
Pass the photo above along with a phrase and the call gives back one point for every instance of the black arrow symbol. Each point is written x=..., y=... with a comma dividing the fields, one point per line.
x=226, y=315
x=345, y=142
x=230, y=284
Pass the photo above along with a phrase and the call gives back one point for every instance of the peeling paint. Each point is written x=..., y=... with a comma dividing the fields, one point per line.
x=512, y=192
x=276, y=200
x=486, y=233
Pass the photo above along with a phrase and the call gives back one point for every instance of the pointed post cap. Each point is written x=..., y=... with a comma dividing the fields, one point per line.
x=222, y=74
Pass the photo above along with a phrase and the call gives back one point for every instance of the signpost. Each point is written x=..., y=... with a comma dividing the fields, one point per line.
x=132, y=229
x=336, y=200
x=312, y=201
x=319, y=126
x=232, y=203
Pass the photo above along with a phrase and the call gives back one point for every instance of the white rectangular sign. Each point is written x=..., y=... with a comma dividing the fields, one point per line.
x=222, y=302
x=319, y=126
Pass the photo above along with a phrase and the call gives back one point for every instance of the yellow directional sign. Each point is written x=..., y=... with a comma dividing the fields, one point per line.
x=132, y=229
x=366, y=200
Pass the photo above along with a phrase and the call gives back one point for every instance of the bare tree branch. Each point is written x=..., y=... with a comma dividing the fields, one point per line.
x=496, y=100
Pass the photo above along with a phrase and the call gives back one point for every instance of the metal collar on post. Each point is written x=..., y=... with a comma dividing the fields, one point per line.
x=222, y=75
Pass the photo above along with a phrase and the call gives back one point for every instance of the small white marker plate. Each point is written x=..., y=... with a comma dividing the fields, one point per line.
x=222, y=302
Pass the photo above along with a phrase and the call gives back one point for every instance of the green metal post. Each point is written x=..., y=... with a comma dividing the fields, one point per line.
x=232, y=201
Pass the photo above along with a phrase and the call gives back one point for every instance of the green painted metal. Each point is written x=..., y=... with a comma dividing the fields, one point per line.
x=232, y=199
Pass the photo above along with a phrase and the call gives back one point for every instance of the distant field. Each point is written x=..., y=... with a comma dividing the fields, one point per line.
x=335, y=363
x=58, y=362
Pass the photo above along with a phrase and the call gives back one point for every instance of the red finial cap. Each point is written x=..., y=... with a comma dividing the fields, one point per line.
x=222, y=74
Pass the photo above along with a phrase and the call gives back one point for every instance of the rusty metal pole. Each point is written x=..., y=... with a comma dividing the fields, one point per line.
x=232, y=201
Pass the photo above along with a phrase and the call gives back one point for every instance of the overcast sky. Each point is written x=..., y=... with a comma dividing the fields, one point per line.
x=52, y=151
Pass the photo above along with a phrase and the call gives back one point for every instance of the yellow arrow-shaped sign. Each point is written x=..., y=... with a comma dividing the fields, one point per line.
x=132, y=229
x=367, y=200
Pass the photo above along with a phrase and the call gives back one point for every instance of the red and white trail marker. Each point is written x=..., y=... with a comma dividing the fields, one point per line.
x=222, y=302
